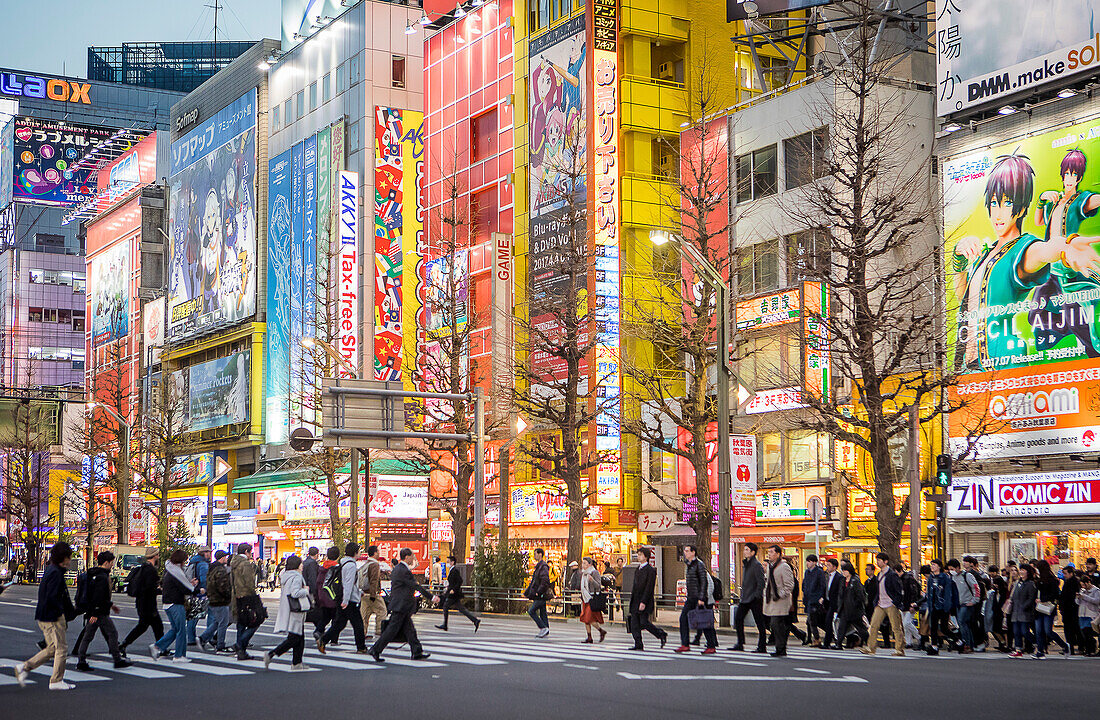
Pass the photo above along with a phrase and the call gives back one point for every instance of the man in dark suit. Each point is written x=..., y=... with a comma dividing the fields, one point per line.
x=403, y=587
x=813, y=595
x=452, y=596
x=834, y=583
x=641, y=601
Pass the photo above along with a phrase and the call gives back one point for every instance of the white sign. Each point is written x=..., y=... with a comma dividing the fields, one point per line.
x=393, y=497
x=772, y=400
x=441, y=531
x=1025, y=495
x=656, y=521
x=153, y=328
x=348, y=271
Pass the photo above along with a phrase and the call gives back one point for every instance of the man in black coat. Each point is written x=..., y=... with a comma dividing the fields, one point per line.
x=813, y=599
x=538, y=592
x=752, y=599
x=146, y=584
x=403, y=602
x=97, y=608
x=834, y=582
x=53, y=614
x=642, y=601
x=452, y=596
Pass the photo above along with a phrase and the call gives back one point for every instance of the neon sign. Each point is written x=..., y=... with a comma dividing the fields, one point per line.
x=34, y=86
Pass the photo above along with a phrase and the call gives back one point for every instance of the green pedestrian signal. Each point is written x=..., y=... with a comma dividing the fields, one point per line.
x=943, y=471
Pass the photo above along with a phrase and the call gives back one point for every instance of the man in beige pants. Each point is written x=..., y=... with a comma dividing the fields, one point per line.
x=53, y=612
x=370, y=582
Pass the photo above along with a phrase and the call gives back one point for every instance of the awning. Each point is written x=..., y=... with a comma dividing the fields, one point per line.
x=1089, y=523
x=300, y=477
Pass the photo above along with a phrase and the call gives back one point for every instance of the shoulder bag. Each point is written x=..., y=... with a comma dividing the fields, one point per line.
x=250, y=609
x=1045, y=608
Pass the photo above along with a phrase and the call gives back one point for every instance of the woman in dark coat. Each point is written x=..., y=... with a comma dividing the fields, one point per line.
x=853, y=603
x=1048, y=589
x=1022, y=609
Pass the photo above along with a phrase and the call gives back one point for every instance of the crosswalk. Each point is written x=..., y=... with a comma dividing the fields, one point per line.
x=496, y=648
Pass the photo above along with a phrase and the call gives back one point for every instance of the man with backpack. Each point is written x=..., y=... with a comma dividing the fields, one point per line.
x=969, y=588
x=197, y=568
x=341, y=585
x=219, y=593
x=143, y=584
x=700, y=594
x=93, y=598
x=370, y=586
x=538, y=592
x=752, y=599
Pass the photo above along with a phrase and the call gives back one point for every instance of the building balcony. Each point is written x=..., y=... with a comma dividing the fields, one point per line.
x=664, y=20
x=648, y=200
x=652, y=105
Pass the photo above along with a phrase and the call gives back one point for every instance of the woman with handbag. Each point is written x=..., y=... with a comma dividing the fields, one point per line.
x=1046, y=609
x=593, y=600
x=176, y=589
x=1021, y=608
x=294, y=603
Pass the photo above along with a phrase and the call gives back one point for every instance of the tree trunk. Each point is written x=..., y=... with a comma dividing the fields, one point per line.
x=575, y=499
x=334, y=512
x=460, y=523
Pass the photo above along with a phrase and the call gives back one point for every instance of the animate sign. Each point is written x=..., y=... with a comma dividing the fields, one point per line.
x=1034, y=494
x=33, y=86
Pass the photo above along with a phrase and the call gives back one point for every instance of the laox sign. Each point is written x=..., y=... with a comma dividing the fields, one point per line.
x=33, y=86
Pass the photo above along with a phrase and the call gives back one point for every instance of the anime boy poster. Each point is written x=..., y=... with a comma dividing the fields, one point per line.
x=1023, y=251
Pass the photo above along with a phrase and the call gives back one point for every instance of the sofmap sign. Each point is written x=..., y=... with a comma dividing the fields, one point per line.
x=1027, y=495
x=14, y=84
x=990, y=50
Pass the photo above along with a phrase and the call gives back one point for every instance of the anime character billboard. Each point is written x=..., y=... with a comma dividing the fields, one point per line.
x=212, y=224
x=1022, y=258
x=109, y=280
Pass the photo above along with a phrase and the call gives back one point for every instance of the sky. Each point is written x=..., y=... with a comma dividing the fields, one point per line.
x=53, y=36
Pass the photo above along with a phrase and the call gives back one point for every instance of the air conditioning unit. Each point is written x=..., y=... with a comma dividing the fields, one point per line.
x=665, y=71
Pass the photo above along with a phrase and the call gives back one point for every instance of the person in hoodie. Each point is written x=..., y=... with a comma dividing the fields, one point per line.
x=197, y=567
x=176, y=587
x=97, y=615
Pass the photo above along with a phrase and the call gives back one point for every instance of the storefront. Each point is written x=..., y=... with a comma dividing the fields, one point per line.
x=1052, y=516
x=861, y=545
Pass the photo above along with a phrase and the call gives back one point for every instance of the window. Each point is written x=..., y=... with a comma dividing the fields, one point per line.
x=288, y=112
x=397, y=73
x=772, y=360
x=355, y=69
x=804, y=157
x=326, y=88
x=78, y=320
x=353, y=137
x=79, y=282
x=312, y=96
x=758, y=268
x=483, y=136
x=756, y=174
x=808, y=256
x=275, y=115
x=341, y=78
x=34, y=314
x=483, y=214
x=807, y=455
x=770, y=448
x=301, y=102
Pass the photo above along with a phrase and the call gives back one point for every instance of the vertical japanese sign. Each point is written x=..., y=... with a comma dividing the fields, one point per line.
x=324, y=213
x=279, y=234
x=743, y=485
x=309, y=278
x=348, y=302
x=815, y=301
x=297, y=252
x=606, y=192
x=414, y=245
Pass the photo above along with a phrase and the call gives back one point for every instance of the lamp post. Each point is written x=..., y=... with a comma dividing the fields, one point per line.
x=353, y=462
x=124, y=494
x=722, y=292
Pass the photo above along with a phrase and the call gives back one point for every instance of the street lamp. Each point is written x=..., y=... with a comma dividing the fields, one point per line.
x=124, y=494
x=722, y=291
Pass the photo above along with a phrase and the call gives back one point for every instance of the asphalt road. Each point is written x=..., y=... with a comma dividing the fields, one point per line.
x=505, y=672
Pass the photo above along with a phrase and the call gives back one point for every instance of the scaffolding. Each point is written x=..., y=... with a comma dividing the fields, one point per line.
x=179, y=66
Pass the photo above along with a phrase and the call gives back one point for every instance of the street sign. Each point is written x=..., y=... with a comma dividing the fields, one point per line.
x=221, y=469
x=816, y=508
x=362, y=413
x=938, y=496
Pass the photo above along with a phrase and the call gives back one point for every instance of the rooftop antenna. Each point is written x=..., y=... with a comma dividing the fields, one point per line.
x=216, y=5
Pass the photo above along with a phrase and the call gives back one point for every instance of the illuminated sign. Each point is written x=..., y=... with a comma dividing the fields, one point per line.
x=33, y=86
x=776, y=309
x=348, y=303
x=1027, y=495
x=815, y=298
x=605, y=110
x=772, y=400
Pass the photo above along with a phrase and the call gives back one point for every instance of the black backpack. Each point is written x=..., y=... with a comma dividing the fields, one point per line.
x=978, y=582
x=80, y=602
x=334, y=582
x=131, y=581
x=716, y=590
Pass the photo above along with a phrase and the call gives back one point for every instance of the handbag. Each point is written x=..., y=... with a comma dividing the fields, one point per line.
x=701, y=619
x=1046, y=608
x=299, y=605
x=598, y=602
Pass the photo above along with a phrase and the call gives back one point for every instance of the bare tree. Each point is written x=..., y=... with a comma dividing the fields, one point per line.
x=675, y=315
x=163, y=440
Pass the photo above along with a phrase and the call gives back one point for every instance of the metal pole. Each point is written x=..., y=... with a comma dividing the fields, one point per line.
x=502, y=475
x=366, y=498
x=479, y=466
x=124, y=496
x=354, y=495
x=724, y=479
x=914, y=486
x=210, y=516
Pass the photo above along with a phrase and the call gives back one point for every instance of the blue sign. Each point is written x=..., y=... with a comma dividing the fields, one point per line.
x=223, y=126
x=279, y=239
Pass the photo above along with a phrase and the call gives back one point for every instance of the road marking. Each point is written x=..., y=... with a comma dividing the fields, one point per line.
x=47, y=670
x=390, y=660
x=16, y=629
x=9, y=680
x=746, y=662
x=141, y=672
x=502, y=655
x=745, y=678
x=194, y=667
x=580, y=667
x=813, y=670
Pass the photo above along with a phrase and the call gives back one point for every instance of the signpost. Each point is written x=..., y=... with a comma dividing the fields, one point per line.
x=816, y=508
x=221, y=469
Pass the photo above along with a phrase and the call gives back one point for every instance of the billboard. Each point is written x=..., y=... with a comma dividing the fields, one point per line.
x=398, y=223
x=277, y=377
x=543, y=504
x=1058, y=494
x=109, y=279
x=123, y=177
x=49, y=161
x=7, y=160
x=299, y=506
x=350, y=301
x=395, y=496
x=212, y=222
x=769, y=310
x=217, y=392
x=991, y=50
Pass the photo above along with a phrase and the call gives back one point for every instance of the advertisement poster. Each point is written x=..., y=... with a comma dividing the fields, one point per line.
x=299, y=505
x=1060, y=494
x=544, y=504
x=212, y=222
x=109, y=280
x=1020, y=223
x=217, y=392
x=437, y=289
x=152, y=318
x=193, y=469
x=394, y=497
x=125, y=176
x=348, y=308
x=7, y=160
x=399, y=149
x=990, y=50
x=743, y=469
x=50, y=166
x=277, y=378
x=309, y=276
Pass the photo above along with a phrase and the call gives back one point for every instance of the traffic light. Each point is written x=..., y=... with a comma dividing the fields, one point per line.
x=943, y=471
